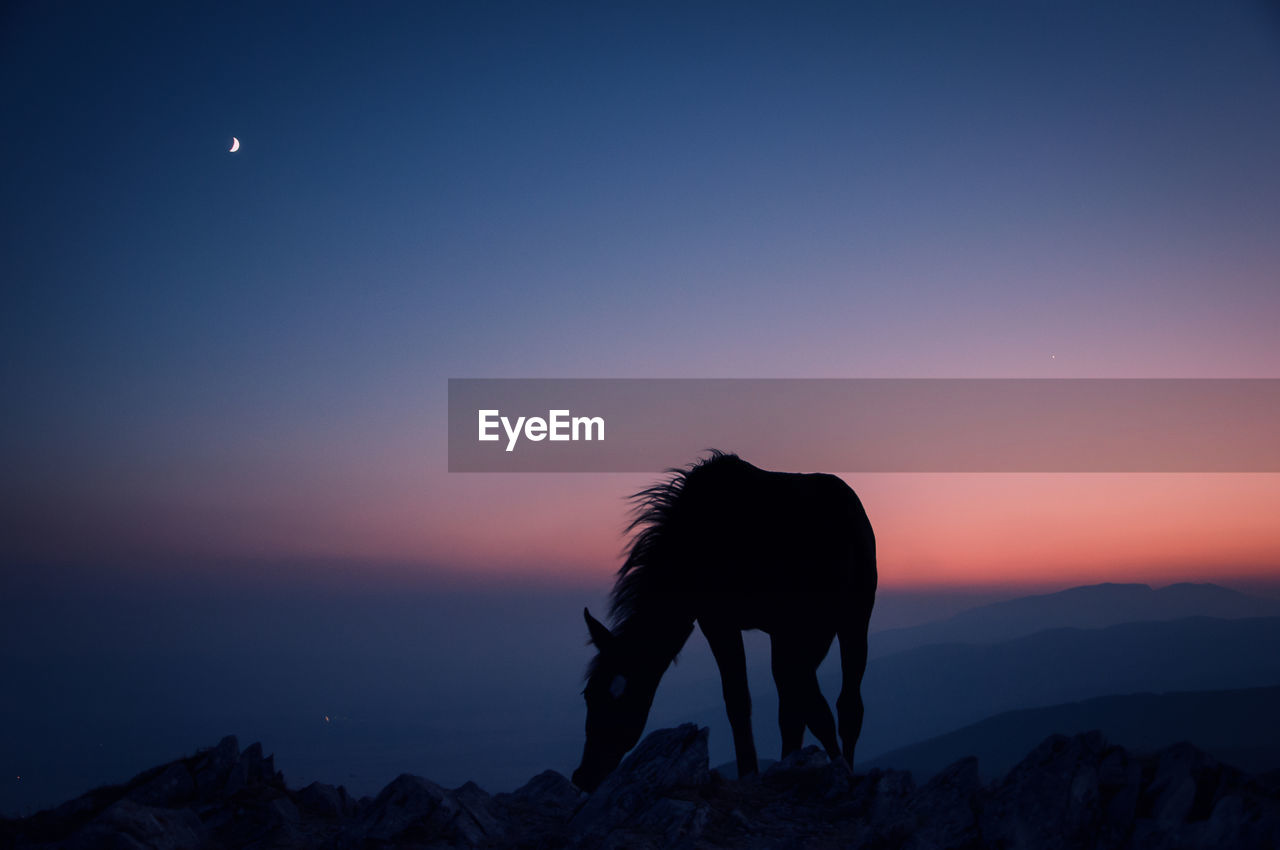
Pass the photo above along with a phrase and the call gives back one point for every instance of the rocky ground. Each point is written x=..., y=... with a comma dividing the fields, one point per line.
x=1067, y=793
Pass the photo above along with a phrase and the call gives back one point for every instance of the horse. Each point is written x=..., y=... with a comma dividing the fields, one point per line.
x=732, y=547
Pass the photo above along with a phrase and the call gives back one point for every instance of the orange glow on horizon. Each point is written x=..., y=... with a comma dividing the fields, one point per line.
x=932, y=530
x=958, y=530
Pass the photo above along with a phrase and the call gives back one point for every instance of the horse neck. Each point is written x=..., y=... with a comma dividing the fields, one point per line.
x=657, y=638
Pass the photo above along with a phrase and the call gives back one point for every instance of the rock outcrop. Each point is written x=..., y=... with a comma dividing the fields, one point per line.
x=1067, y=793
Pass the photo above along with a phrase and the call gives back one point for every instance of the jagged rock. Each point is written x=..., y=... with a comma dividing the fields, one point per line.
x=326, y=801
x=214, y=766
x=667, y=761
x=888, y=793
x=551, y=790
x=537, y=812
x=173, y=786
x=479, y=805
x=127, y=825
x=1192, y=800
x=1068, y=792
x=810, y=770
x=415, y=810
x=260, y=818
x=1120, y=783
x=944, y=812
x=1052, y=798
x=1172, y=793
x=252, y=769
x=669, y=822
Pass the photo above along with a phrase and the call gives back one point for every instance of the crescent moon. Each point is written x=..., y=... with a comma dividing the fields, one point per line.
x=235, y=145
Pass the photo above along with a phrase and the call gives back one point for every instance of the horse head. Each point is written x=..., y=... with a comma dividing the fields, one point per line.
x=619, y=692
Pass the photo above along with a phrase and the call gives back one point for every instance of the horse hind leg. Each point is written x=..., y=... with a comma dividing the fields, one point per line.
x=790, y=705
x=800, y=699
x=818, y=716
x=853, y=664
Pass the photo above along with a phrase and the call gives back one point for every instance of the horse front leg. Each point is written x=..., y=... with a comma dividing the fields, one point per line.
x=726, y=646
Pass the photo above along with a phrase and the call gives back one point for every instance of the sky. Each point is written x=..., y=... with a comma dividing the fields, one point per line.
x=220, y=359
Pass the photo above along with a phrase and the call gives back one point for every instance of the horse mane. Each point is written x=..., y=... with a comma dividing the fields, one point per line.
x=655, y=520
x=655, y=512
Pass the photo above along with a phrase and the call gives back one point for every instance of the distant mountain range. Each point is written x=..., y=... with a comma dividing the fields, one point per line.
x=932, y=690
x=1093, y=606
x=378, y=668
x=928, y=691
x=1236, y=726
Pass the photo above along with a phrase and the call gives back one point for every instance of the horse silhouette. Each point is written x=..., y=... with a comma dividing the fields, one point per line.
x=733, y=547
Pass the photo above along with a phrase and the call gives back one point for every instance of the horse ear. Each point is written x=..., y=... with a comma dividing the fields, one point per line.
x=600, y=634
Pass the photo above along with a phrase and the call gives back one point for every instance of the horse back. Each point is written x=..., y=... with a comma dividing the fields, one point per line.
x=768, y=546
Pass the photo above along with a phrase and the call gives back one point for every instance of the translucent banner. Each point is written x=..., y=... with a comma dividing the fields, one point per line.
x=867, y=425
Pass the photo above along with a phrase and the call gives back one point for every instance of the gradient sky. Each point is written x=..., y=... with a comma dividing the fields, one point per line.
x=231, y=358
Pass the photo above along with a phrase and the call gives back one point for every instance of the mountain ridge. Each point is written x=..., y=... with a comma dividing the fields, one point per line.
x=1140, y=722
x=1083, y=606
x=932, y=690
